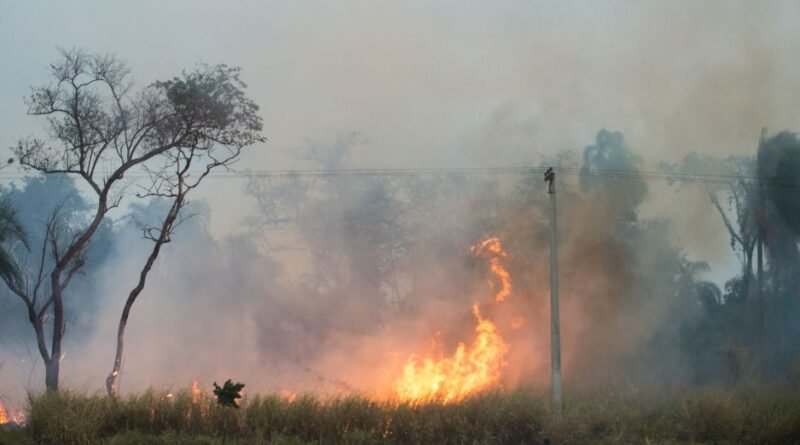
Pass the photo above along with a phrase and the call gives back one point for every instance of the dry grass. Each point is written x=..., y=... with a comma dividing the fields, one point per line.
x=752, y=415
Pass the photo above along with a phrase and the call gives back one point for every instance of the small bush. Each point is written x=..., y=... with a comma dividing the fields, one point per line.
x=15, y=437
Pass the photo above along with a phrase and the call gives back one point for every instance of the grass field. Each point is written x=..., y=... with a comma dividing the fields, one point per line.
x=718, y=416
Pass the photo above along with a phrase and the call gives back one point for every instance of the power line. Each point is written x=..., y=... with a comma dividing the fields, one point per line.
x=624, y=174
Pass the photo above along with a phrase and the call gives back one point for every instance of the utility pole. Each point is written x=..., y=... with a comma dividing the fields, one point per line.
x=555, y=330
x=760, y=222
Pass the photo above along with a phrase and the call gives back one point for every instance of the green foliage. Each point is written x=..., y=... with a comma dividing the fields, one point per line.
x=35, y=201
x=15, y=437
x=68, y=418
x=228, y=393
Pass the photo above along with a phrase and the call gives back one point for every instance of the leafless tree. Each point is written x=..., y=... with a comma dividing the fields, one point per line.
x=102, y=132
x=175, y=188
x=743, y=231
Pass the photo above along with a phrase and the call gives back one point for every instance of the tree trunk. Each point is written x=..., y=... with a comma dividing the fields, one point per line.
x=52, y=368
x=54, y=364
x=111, y=380
x=51, y=365
x=166, y=229
x=747, y=275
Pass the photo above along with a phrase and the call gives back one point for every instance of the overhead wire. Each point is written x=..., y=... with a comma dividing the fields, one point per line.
x=625, y=174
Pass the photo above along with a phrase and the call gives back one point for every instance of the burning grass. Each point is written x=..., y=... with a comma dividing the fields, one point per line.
x=765, y=416
x=472, y=368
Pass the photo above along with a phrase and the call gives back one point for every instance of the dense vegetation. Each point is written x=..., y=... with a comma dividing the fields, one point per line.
x=713, y=415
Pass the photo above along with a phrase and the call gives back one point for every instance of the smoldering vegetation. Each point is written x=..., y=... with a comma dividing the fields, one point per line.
x=336, y=279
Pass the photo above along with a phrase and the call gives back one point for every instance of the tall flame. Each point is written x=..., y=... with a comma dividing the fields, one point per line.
x=472, y=368
x=492, y=249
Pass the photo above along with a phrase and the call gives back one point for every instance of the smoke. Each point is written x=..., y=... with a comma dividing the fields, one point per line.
x=330, y=283
x=333, y=282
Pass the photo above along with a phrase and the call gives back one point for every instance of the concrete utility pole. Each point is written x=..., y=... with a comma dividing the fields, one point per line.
x=555, y=330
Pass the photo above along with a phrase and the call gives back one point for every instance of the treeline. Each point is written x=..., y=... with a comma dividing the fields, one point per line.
x=375, y=250
x=329, y=270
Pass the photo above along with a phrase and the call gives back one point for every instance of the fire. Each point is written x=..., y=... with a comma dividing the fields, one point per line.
x=197, y=394
x=492, y=249
x=3, y=414
x=472, y=368
x=287, y=395
x=8, y=416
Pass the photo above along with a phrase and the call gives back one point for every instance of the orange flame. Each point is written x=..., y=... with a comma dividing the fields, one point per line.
x=492, y=249
x=471, y=369
x=197, y=394
x=287, y=395
x=9, y=416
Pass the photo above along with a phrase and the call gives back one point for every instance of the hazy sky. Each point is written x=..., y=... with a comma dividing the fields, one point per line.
x=443, y=83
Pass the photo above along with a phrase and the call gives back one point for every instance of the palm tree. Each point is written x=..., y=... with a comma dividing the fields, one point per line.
x=10, y=230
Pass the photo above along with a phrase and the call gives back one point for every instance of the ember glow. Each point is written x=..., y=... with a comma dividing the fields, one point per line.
x=8, y=416
x=471, y=368
x=197, y=394
x=287, y=395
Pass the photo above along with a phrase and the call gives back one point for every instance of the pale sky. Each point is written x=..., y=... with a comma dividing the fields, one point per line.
x=443, y=83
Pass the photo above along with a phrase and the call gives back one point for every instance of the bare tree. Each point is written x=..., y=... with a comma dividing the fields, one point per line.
x=101, y=132
x=175, y=188
x=743, y=230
